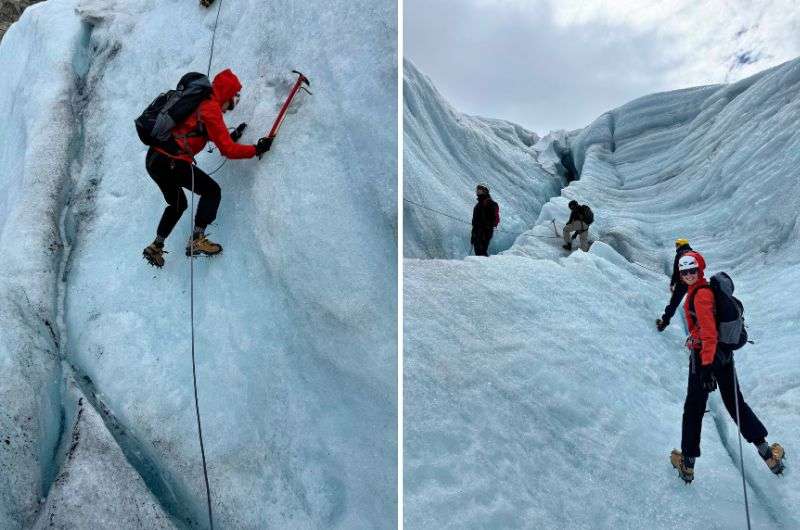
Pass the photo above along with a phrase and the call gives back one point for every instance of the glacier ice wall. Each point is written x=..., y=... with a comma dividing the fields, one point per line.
x=538, y=392
x=94, y=467
x=446, y=153
x=294, y=322
x=34, y=171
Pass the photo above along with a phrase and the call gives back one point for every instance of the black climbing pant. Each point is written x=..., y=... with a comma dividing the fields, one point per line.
x=695, y=406
x=171, y=175
x=481, y=239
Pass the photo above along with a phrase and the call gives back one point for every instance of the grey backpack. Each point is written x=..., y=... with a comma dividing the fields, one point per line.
x=728, y=312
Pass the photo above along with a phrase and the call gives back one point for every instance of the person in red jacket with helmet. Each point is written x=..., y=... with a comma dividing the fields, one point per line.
x=172, y=171
x=711, y=366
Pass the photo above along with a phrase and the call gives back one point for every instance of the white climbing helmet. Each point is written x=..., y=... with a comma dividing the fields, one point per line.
x=687, y=262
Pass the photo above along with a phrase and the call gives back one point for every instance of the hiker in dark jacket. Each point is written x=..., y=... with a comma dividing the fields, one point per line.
x=485, y=217
x=676, y=286
x=711, y=366
x=580, y=218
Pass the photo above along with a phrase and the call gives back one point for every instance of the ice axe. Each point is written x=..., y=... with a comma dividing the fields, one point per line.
x=301, y=80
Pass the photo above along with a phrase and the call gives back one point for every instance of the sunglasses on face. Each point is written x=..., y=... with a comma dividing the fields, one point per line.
x=688, y=272
x=233, y=102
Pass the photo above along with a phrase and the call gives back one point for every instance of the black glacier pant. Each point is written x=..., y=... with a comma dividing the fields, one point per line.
x=481, y=239
x=171, y=175
x=695, y=406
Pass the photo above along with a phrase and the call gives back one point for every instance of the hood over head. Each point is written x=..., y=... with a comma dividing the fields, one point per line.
x=226, y=85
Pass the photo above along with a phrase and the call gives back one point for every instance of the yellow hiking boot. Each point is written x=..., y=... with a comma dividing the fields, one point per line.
x=201, y=246
x=686, y=473
x=774, y=458
x=154, y=254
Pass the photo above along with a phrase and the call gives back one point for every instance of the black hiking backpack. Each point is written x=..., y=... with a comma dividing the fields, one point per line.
x=586, y=214
x=170, y=108
x=728, y=312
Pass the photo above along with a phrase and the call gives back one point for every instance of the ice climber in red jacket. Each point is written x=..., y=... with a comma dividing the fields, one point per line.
x=711, y=366
x=172, y=171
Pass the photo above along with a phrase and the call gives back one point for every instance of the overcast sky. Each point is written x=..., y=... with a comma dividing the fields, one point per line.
x=548, y=64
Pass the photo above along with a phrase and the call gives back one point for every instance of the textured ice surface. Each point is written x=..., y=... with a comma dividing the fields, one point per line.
x=294, y=322
x=538, y=393
x=446, y=154
x=95, y=468
x=36, y=59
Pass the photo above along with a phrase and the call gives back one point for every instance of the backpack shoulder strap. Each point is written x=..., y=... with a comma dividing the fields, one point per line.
x=692, y=312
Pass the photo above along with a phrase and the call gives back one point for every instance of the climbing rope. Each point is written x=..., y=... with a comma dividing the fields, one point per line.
x=191, y=305
x=213, y=38
x=647, y=268
x=194, y=363
x=454, y=218
x=208, y=70
x=739, y=428
x=556, y=236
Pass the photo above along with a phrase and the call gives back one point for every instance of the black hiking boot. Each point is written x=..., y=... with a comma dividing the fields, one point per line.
x=567, y=246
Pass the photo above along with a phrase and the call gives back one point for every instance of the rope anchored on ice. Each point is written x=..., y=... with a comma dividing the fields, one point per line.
x=418, y=205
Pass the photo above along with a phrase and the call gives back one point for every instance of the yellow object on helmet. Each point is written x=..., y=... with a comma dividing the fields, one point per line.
x=681, y=242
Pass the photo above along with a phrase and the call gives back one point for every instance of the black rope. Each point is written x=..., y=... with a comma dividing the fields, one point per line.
x=646, y=268
x=218, y=167
x=213, y=38
x=194, y=363
x=455, y=218
x=191, y=306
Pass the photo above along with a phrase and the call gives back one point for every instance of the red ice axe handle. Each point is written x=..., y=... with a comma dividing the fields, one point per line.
x=301, y=80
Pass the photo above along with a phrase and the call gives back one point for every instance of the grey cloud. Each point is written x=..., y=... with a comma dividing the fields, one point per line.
x=507, y=62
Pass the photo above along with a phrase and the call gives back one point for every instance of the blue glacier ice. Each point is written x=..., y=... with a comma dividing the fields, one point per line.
x=295, y=323
x=538, y=393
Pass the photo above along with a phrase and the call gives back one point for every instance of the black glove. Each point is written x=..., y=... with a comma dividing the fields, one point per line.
x=707, y=379
x=237, y=133
x=263, y=145
x=662, y=323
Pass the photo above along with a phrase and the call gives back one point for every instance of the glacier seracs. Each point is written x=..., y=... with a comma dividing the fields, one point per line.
x=446, y=153
x=538, y=393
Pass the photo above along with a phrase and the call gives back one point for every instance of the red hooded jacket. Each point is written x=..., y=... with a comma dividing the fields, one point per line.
x=705, y=328
x=224, y=87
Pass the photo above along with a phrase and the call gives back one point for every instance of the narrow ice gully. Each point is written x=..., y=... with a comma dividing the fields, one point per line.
x=538, y=393
x=298, y=396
